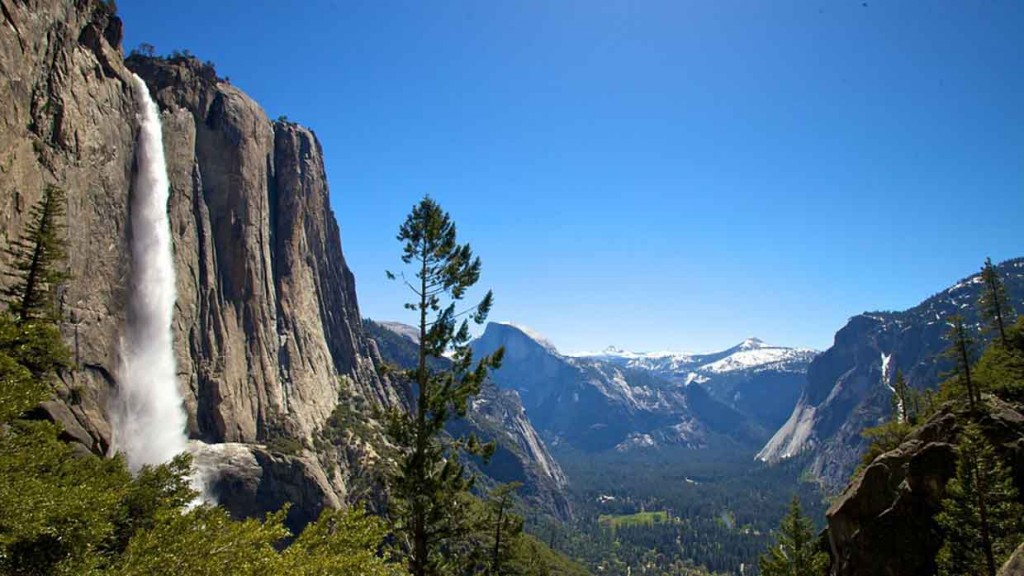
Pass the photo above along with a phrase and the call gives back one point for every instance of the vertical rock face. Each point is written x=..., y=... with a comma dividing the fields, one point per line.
x=68, y=118
x=268, y=331
x=268, y=317
x=848, y=385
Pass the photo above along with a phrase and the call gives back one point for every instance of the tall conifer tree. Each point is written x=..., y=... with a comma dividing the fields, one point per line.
x=430, y=476
x=961, y=352
x=795, y=552
x=981, y=517
x=37, y=259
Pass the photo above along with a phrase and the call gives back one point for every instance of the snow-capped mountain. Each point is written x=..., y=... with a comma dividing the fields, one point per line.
x=848, y=385
x=755, y=378
x=599, y=403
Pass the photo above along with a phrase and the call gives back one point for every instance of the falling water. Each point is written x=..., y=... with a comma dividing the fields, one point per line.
x=147, y=413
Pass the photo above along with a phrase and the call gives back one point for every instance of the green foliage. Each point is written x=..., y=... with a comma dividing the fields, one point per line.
x=430, y=477
x=21, y=354
x=57, y=509
x=284, y=445
x=36, y=260
x=795, y=553
x=66, y=513
x=981, y=517
x=205, y=541
x=531, y=557
x=1001, y=368
x=723, y=504
x=340, y=543
x=901, y=402
x=883, y=438
x=504, y=528
x=614, y=521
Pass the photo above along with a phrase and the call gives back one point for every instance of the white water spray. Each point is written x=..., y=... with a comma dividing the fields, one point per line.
x=147, y=413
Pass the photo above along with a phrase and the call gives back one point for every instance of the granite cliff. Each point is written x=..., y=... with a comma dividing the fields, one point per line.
x=268, y=332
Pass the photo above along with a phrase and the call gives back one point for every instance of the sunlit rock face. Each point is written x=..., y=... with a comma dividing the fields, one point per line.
x=848, y=385
x=266, y=327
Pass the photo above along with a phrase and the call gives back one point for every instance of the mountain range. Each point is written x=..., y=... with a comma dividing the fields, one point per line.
x=618, y=400
x=757, y=379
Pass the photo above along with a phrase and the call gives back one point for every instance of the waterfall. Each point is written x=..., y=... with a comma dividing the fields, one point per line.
x=147, y=413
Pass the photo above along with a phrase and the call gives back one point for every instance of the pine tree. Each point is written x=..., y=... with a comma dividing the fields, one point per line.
x=507, y=526
x=994, y=302
x=961, y=352
x=37, y=258
x=795, y=552
x=980, y=517
x=430, y=475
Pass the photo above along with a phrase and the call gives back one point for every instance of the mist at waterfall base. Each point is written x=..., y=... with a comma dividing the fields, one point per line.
x=147, y=414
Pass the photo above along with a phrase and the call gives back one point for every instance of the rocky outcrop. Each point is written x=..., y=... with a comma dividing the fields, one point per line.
x=1015, y=565
x=848, y=384
x=268, y=332
x=252, y=481
x=883, y=523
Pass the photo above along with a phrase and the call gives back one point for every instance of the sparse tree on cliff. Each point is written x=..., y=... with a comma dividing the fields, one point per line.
x=36, y=259
x=994, y=302
x=430, y=476
x=795, y=552
x=30, y=340
x=981, y=517
x=961, y=352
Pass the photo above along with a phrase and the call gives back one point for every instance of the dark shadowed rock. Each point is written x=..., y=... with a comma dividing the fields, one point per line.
x=884, y=522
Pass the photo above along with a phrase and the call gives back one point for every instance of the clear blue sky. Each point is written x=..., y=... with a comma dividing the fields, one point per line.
x=651, y=174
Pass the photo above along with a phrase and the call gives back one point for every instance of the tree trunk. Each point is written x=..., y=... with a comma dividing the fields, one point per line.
x=420, y=550
x=986, y=537
x=966, y=361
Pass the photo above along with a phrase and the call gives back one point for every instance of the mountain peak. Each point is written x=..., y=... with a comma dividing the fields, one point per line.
x=529, y=333
x=752, y=343
x=404, y=330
